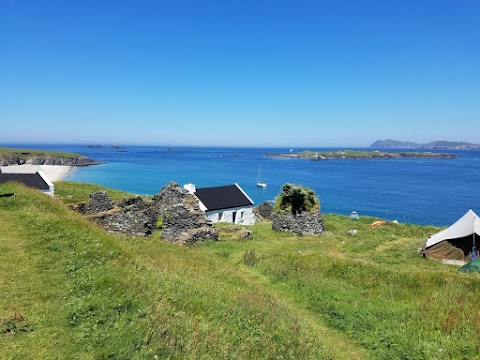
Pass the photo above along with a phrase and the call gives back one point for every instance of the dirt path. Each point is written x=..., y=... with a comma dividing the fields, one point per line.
x=337, y=345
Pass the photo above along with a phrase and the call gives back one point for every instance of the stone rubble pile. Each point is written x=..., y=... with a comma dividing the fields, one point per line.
x=174, y=210
x=303, y=223
x=181, y=217
x=264, y=210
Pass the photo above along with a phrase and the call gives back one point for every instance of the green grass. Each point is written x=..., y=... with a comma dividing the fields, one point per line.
x=86, y=294
x=68, y=280
x=335, y=154
x=29, y=153
x=73, y=192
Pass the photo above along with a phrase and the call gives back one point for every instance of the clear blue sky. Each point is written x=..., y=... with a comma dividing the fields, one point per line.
x=253, y=73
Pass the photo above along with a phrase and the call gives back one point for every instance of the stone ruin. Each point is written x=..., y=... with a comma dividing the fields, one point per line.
x=181, y=217
x=302, y=223
x=264, y=210
x=297, y=210
x=132, y=216
x=235, y=232
x=99, y=202
x=174, y=210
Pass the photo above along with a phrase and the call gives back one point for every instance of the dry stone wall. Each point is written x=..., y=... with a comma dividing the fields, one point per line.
x=181, y=217
x=179, y=213
x=99, y=202
x=303, y=223
x=264, y=210
x=132, y=216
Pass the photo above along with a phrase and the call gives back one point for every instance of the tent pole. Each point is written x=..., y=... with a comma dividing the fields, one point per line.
x=474, y=247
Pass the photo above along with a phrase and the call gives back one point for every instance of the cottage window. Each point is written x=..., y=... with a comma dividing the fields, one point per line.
x=220, y=216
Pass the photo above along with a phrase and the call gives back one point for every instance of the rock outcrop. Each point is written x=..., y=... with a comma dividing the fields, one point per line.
x=303, y=223
x=66, y=161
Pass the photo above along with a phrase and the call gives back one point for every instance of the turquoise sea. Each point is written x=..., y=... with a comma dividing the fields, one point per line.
x=420, y=191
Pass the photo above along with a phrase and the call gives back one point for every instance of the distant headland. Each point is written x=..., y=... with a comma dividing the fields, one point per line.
x=10, y=156
x=434, y=145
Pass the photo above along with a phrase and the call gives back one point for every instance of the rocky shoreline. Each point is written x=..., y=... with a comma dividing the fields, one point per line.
x=14, y=159
x=359, y=155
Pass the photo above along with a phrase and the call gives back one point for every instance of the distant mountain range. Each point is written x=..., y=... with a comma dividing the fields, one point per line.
x=434, y=145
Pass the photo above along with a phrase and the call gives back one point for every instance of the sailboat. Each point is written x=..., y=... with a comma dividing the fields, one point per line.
x=259, y=182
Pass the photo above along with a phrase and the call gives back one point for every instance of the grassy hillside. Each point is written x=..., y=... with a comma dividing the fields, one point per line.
x=70, y=290
x=29, y=153
x=73, y=192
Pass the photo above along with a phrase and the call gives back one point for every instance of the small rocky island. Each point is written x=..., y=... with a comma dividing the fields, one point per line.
x=10, y=156
x=359, y=155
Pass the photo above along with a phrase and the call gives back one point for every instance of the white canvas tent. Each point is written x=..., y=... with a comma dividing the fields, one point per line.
x=455, y=242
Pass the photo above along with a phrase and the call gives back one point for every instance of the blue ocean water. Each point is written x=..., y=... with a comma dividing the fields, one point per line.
x=420, y=191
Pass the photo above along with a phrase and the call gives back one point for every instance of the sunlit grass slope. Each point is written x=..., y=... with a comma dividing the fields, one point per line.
x=70, y=290
x=28, y=153
x=74, y=192
x=83, y=293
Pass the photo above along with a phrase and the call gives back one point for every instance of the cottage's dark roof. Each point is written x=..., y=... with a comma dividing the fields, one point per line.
x=223, y=197
x=31, y=180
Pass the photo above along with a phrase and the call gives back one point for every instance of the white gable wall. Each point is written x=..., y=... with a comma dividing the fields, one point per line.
x=51, y=187
x=243, y=215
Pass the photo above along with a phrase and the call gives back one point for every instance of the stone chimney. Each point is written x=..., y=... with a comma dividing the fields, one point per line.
x=190, y=188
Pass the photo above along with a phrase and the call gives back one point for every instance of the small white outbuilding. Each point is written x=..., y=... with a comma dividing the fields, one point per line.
x=36, y=180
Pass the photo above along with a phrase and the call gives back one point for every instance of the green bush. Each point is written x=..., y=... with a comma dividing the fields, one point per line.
x=249, y=257
x=296, y=199
x=159, y=222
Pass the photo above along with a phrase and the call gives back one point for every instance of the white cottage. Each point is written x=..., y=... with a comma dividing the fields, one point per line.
x=225, y=203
